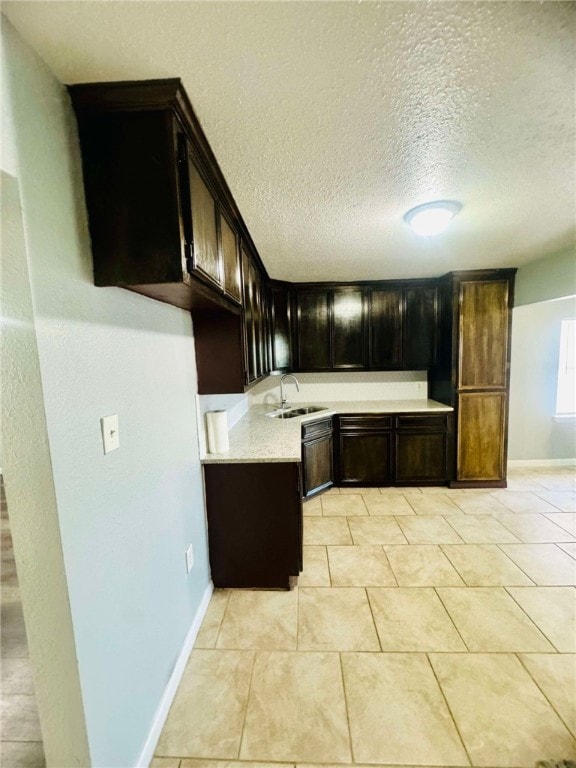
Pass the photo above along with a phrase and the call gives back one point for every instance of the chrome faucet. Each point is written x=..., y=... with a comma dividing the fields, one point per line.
x=283, y=400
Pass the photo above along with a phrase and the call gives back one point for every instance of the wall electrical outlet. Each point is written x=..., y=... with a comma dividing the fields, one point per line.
x=110, y=433
x=189, y=558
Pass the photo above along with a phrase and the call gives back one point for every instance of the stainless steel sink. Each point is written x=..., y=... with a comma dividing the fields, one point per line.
x=308, y=409
x=292, y=413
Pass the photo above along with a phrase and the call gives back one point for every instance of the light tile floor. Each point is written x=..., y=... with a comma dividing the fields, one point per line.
x=430, y=627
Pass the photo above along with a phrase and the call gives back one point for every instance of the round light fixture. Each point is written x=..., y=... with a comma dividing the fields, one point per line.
x=432, y=218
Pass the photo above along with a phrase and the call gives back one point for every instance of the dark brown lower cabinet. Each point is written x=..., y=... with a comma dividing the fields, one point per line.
x=254, y=524
x=421, y=449
x=408, y=449
x=317, y=457
x=364, y=450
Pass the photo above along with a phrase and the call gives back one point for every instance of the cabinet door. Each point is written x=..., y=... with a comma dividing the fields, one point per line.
x=481, y=436
x=205, y=254
x=364, y=458
x=259, y=320
x=249, y=319
x=421, y=457
x=313, y=328
x=483, y=330
x=420, y=331
x=348, y=336
x=318, y=465
x=265, y=328
x=281, y=329
x=230, y=259
x=385, y=328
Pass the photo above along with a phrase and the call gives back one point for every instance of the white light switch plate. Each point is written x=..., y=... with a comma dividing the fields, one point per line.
x=110, y=434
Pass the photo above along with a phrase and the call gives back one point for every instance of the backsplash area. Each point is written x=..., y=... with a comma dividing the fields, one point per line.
x=315, y=388
x=328, y=387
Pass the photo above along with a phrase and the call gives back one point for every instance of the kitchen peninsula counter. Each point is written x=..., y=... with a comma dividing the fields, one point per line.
x=259, y=438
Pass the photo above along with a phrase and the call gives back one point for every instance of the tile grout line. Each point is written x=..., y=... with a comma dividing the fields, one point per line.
x=390, y=564
x=558, y=544
x=564, y=530
x=350, y=531
x=470, y=761
x=549, y=502
x=298, y=619
x=454, y=529
x=328, y=565
x=374, y=620
x=534, y=582
x=346, y=707
x=243, y=729
x=447, y=556
x=401, y=529
x=535, y=514
x=222, y=619
x=532, y=621
x=450, y=615
x=537, y=684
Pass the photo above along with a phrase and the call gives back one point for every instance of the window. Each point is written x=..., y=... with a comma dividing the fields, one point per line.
x=566, y=392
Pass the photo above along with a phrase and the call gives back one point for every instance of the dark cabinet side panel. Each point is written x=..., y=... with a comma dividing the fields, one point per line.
x=254, y=524
x=129, y=163
x=313, y=331
x=348, y=335
x=364, y=458
x=385, y=312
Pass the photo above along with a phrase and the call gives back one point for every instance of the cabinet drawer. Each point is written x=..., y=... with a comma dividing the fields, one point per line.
x=422, y=422
x=361, y=423
x=316, y=428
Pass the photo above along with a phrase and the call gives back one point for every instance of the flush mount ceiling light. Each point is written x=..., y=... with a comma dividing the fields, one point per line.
x=432, y=218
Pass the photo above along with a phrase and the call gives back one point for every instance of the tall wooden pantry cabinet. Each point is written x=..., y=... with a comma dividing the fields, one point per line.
x=473, y=371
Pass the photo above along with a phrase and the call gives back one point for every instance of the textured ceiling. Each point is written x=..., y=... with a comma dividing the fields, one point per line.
x=331, y=119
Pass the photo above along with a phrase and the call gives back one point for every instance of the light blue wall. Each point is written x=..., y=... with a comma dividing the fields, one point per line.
x=542, y=301
x=125, y=518
x=552, y=277
x=533, y=432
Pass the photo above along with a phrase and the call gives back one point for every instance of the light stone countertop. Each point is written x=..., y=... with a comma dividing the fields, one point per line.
x=258, y=438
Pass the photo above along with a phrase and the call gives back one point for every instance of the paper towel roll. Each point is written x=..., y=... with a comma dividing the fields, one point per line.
x=217, y=428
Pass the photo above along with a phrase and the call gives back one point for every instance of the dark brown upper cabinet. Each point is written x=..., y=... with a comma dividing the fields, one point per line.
x=200, y=219
x=348, y=320
x=331, y=329
x=313, y=329
x=250, y=322
x=281, y=327
x=385, y=328
x=257, y=331
x=420, y=327
x=377, y=326
x=162, y=219
x=232, y=282
x=483, y=334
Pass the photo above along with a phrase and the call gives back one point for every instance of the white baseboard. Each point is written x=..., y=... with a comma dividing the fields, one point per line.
x=172, y=686
x=542, y=462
